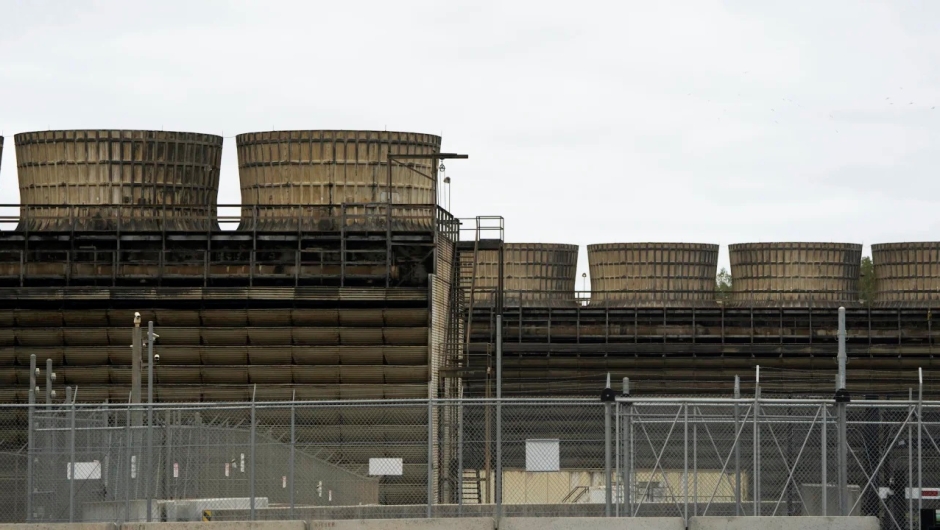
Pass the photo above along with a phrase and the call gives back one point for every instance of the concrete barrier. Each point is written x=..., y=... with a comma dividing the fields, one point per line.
x=592, y=523
x=784, y=523
x=467, y=523
x=59, y=526
x=227, y=525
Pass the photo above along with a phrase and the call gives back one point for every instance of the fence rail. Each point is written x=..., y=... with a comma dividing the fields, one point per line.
x=632, y=457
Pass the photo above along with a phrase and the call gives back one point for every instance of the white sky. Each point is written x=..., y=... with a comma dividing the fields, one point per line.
x=586, y=122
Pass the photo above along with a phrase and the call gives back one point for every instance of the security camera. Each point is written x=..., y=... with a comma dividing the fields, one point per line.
x=52, y=376
x=136, y=318
x=156, y=358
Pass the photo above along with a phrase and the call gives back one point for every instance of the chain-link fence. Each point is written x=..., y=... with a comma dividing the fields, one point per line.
x=633, y=457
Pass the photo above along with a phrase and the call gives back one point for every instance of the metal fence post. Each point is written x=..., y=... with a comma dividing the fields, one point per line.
x=694, y=467
x=910, y=465
x=755, y=474
x=150, y=483
x=251, y=470
x=920, y=445
x=293, y=445
x=460, y=412
x=430, y=470
x=842, y=455
x=70, y=400
x=30, y=440
x=608, y=483
x=499, y=416
x=627, y=480
x=737, y=448
x=685, y=461
x=824, y=461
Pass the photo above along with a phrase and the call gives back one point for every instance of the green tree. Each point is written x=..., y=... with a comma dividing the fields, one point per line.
x=723, y=285
x=867, y=283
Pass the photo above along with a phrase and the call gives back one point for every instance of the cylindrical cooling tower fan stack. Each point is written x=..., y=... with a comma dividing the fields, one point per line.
x=320, y=180
x=795, y=274
x=534, y=275
x=907, y=274
x=118, y=180
x=652, y=274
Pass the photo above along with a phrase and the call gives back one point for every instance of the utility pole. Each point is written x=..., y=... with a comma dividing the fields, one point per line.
x=135, y=370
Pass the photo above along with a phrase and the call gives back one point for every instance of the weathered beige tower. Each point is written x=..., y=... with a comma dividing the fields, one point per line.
x=653, y=274
x=118, y=180
x=795, y=274
x=534, y=274
x=907, y=274
x=291, y=178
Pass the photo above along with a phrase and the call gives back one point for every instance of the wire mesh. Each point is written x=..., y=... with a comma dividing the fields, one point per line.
x=452, y=458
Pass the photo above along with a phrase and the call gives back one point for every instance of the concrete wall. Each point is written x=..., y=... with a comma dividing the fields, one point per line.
x=469, y=523
x=228, y=525
x=784, y=523
x=59, y=526
x=592, y=523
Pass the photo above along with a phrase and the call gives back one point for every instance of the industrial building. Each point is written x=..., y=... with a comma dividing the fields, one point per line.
x=343, y=278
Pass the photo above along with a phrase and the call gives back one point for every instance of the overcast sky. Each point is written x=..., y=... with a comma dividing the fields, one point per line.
x=585, y=122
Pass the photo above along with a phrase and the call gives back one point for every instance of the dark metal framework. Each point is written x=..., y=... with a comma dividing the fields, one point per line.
x=347, y=245
x=678, y=350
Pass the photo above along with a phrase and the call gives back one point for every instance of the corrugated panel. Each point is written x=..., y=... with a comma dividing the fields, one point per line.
x=89, y=356
x=362, y=374
x=122, y=375
x=233, y=318
x=7, y=318
x=408, y=317
x=361, y=355
x=7, y=337
x=179, y=318
x=270, y=336
x=231, y=355
x=224, y=336
x=149, y=179
x=39, y=336
x=652, y=274
x=264, y=375
x=360, y=336
x=38, y=318
x=170, y=336
x=280, y=169
x=316, y=355
x=86, y=318
x=795, y=274
x=330, y=392
x=269, y=317
x=267, y=355
x=314, y=375
x=315, y=317
x=533, y=274
x=85, y=336
x=178, y=375
x=85, y=375
x=225, y=375
x=405, y=355
x=216, y=393
x=316, y=336
x=361, y=317
x=8, y=357
x=413, y=336
x=406, y=374
x=170, y=355
x=178, y=394
x=907, y=274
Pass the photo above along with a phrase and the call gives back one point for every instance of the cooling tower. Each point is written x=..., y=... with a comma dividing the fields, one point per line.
x=303, y=177
x=795, y=274
x=653, y=274
x=907, y=274
x=117, y=179
x=534, y=274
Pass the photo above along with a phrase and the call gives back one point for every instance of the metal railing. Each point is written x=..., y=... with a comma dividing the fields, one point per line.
x=631, y=457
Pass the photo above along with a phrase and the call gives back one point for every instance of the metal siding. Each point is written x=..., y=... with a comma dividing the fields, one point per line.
x=289, y=175
x=652, y=274
x=87, y=179
x=534, y=274
x=907, y=274
x=795, y=274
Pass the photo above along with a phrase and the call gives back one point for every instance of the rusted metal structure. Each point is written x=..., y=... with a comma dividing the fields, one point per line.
x=121, y=180
x=294, y=180
x=907, y=274
x=534, y=274
x=653, y=274
x=795, y=274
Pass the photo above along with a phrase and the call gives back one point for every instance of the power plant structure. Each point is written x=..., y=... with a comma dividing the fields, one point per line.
x=344, y=279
